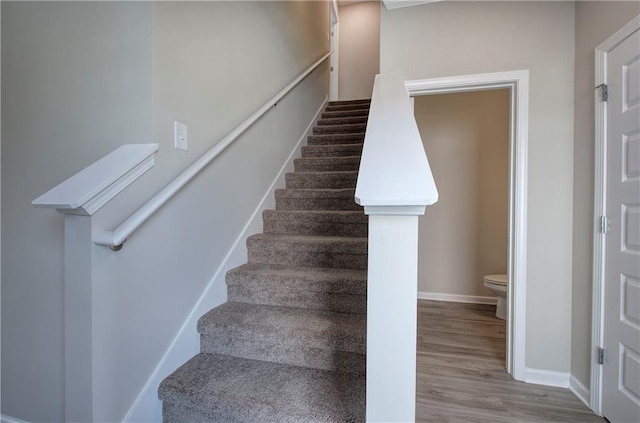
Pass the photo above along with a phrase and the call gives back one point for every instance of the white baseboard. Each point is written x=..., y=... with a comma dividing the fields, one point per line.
x=456, y=298
x=147, y=407
x=9, y=419
x=579, y=390
x=546, y=377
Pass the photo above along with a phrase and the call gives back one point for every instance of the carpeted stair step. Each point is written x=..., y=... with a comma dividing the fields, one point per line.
x=327, y=164
x=308, y=251
x=342, y=121
x=366, y=101
x=316, y=223
x=326, y=139
x=320, y=180
x=322, y=288
x=340, y=129
x=216, y=388
x=346, y=107
x=316, y=199
x=317, y=339
x=338, y=150
x=345, y=113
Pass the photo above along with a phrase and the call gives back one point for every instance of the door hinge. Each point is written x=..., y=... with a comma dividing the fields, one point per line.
x=600, y=355
x=604, y=224
x=604, y=92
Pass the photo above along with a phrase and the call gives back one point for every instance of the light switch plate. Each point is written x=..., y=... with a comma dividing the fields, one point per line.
x=180, y=136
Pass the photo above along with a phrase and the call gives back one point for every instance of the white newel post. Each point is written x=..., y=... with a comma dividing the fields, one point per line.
x=79, y=198
x=394, y=186
x=392, y=311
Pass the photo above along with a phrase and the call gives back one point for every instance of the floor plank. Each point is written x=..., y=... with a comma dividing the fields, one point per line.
x=462, y=377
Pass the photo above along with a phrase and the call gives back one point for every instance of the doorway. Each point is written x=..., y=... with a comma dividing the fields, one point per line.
x=517, y=83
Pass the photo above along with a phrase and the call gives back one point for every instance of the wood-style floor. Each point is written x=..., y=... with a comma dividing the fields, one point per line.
x=462, y=377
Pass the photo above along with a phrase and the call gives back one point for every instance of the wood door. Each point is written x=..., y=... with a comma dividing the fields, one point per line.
x=621, y=373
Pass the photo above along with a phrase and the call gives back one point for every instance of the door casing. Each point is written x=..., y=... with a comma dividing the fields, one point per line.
x=518, y=84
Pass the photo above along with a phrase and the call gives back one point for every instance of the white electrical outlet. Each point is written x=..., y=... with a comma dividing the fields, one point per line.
x=180, y=136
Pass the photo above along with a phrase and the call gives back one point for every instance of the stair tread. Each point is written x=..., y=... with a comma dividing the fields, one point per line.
x=332, y=150
x=342, y=120
x=338, y=159
x=240, y=390
x=306, y=328
x=346, y=128
x=320, y=279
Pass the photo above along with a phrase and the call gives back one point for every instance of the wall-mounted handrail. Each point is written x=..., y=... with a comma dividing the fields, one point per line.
x=119, y=235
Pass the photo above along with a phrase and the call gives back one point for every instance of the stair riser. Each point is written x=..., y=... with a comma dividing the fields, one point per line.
x=280, y=227
x=260, y=293
x=321, y=180
x=277, y=352
x=326, y=167
x=345, y=113
x=309, y=259
x=339, y=129
x=348, y=107
x=180, y=413
x=290, y=203
x=342, y=121
x=332, y=151
x=335, y=139
x=366, y=101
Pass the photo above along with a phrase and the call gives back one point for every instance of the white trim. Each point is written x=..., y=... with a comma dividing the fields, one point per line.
x=397, y=4
x=599, y=207
x=456, y=298
x=579, y=390
x=8, y=419
x=333, y=12
x=88, y=190
x=546, y=377
x=395, y=210
x=334, y=63
x=518, y=83
x=186, y=342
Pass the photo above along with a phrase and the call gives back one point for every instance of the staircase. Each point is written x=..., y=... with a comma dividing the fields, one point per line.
x=289, y=345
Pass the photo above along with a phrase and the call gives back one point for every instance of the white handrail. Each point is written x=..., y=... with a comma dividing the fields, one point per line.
x=119, y=235
x=394, y=170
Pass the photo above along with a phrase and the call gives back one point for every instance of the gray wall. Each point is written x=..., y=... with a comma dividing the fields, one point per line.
x=359, y=49
x=84, y=78
x=76, y=81
x=595, y=22
x=459, y=38
x=464, y=236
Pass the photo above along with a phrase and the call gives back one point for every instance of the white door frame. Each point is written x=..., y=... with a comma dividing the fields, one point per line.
x=599, y=209
x=518, y=84
x=334, y=45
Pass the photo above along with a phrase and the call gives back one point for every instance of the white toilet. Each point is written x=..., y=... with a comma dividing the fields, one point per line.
x=498, y=285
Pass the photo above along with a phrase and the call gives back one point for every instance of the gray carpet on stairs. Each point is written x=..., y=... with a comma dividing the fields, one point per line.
x=290, y=344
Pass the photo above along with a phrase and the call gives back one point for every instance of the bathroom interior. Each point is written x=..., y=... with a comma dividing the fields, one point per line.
x=464, y=237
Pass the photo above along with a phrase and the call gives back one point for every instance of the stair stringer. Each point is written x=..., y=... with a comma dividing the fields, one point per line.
x=147, y=407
